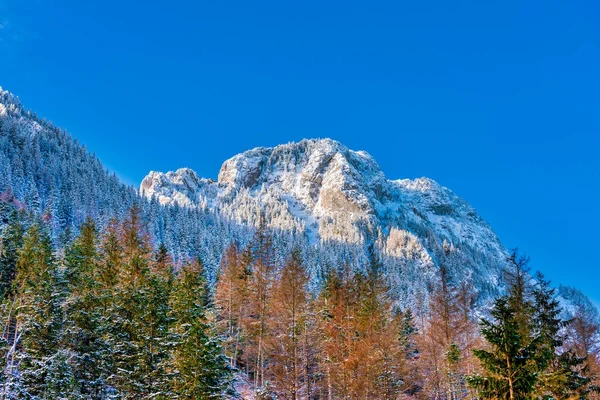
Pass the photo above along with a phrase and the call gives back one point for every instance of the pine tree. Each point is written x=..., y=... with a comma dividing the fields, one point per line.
x=200, y=369
x=520, y=343
x=519, y=285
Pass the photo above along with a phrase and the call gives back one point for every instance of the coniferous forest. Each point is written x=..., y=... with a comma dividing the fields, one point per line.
x=107, y=294
x=110, y=316
x=299, y=200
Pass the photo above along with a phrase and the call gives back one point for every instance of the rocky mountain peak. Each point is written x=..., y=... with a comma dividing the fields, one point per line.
x=329, y=193
x=319, y=173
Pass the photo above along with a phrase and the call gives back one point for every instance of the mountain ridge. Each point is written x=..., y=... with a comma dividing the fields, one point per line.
x=318, y=195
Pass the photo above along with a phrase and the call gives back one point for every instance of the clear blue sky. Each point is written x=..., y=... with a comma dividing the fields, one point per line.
x=497, y=100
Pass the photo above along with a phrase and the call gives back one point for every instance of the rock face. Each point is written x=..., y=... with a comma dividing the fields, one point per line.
x=180, y=187
x=326, y=193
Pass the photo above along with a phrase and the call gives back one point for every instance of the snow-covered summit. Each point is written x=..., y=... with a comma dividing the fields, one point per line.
x=328, y=193
x=322, y=175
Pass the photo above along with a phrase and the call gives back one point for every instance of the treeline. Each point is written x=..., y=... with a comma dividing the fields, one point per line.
x=104, y=318
x=349, y=340
x=109, y=317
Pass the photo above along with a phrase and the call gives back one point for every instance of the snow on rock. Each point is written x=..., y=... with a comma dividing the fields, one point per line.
x=183, y=187
x=329, y=193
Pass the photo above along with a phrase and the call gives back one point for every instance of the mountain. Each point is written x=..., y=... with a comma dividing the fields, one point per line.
x=331, y=196
x=331, y=202
x=44, y=170
x=51, y=173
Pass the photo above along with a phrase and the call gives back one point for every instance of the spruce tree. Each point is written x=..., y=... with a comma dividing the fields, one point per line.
x=518, y=349
x=200, y=369
x=37, y=324
x=562, y=373
x=138, y=319
x=510, y=370
x=84, y=319
x=11, y=239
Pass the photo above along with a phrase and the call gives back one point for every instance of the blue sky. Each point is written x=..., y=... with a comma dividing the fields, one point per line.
x=499, y=101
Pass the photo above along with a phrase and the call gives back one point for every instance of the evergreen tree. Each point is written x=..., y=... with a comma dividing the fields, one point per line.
x=200, y=369
x=519, y=285
x=509, y=367
x=548, y=325
x=137, y=316
x=566, y=375
x=11, y=239
x=35, y=342
x=84, y=318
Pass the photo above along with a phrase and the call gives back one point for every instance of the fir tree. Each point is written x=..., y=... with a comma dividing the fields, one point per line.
x=521, y=345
